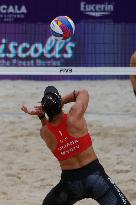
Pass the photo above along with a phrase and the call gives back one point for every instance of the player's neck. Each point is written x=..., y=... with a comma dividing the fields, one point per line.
x=57, y=119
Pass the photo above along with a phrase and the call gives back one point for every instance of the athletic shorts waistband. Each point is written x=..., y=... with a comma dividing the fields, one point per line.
x=78, y=174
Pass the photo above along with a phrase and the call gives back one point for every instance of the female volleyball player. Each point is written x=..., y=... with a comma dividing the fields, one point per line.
x=67, y=136
x=133, y=77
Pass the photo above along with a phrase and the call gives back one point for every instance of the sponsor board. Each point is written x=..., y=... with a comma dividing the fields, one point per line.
x=96, y=9
x=52, y=52
x=30, y=11
x=12, y=12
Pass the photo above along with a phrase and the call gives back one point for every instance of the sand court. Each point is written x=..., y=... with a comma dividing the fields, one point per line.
x=29, y=170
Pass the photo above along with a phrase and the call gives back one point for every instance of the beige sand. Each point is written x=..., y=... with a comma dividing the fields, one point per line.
x=27, y=168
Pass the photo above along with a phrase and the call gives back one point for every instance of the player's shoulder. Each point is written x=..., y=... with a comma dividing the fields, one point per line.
x=133, y=56
x=133, y=60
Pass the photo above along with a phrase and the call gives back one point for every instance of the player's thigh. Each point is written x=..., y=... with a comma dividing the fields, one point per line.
x=57, y=196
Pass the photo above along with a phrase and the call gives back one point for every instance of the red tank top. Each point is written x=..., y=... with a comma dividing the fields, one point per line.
x=67, y=145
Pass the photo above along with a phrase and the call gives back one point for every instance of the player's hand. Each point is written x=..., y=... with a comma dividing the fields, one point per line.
x=37, y=110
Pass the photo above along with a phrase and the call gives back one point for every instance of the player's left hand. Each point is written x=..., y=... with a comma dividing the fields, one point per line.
x=37, y=110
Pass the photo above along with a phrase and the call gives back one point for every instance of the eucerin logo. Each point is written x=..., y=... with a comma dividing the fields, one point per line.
x=97, y=10
x=13, y=9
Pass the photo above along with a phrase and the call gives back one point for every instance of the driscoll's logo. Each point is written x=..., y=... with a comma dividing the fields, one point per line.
x=52, y=48
x=97, y=10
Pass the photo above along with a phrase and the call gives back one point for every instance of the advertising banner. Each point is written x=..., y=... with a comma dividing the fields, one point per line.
x=30, y=11
x=32, y=45
x=17, y=11
x=93, y=44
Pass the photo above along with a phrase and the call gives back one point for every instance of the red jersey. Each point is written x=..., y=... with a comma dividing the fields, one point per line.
x=67, y=145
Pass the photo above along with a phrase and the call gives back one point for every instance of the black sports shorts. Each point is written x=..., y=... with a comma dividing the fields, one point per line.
x=90, y=181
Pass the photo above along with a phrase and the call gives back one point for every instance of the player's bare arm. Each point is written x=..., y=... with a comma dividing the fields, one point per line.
x=133, y=77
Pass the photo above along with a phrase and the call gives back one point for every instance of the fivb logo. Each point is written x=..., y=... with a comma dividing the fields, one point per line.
x=13, y=9
x=97, y=10
x=66, y=70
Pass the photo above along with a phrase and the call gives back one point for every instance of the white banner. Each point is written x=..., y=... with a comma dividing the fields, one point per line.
x=67, y=70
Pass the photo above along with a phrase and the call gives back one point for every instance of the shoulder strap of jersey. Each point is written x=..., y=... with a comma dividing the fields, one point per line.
x=58, y=130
